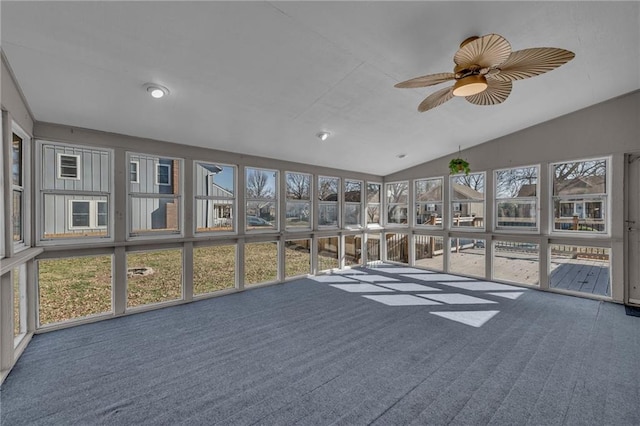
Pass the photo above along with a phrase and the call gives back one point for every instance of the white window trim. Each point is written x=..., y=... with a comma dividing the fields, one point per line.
x=428, y=203
x=515, y=229
x=59, y=164
x=178, y=197
x=41, y=240
x=605, y=197
x=332, y=203
x=387, y=204
x=93, y=215
x=352, y=203
x=25, y=189
x=137, y=164
x=157, y=180
x=234, y=201
x=309, y=201
x=378, y=224
x=275, y=200
x=453, y=200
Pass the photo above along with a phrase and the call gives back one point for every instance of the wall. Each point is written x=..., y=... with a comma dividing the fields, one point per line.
x=611, y=128
x=14, y=110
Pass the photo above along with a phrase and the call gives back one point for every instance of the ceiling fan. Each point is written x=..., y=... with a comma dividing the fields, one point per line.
x=485, y=69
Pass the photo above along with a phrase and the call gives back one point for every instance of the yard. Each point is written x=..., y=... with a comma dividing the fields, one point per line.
x=81, y=286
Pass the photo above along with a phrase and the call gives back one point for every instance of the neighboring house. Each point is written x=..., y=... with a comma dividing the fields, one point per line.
x=74, y=181
x=148, y=176
x=216, y=210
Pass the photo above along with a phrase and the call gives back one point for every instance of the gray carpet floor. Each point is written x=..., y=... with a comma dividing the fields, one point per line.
x=317, y=353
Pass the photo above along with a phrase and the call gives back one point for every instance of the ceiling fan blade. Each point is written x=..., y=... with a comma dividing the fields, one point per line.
x=495, y=93
x=487, y=51
x=426, y=80
x=528, y=63
x=436, y=99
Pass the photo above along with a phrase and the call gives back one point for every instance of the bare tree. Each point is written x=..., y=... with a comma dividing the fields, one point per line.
x=474, y=181
x=258, y=184
x=509, y=183
x=298, y=186
x=328, y=189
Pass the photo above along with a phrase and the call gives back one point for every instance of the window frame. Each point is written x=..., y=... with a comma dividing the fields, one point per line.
x=234, y=200
x=428, y=203
x=42, y=192
x=335, y=203
x=78, y=167
x=308, y=201
x=536, y=199
x=93, y=215
x=137, y=171
x=378, y=224
x=352, y=203
x=157, y=174
x=275, y=200
x=24, y=189
x=582, y=198
x=176, y=197
x=387, y=205
x=453, y=202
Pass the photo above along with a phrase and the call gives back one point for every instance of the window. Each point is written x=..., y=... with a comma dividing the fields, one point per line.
x=516, y=198
x=516, y=262
x=373, y=204
x=429, y=252
x=328, y=253
x=397, y=202
x=428, y=193
x=154, y=277
x=215, y=197
x=87, y=214
x=397, y=247
x=80, y=214
x=68, y=166
x=580, y=196
x=298, y=214
x=352, y=203
x=328, y=212
x=17, y=172
x=222, y=260
x=260, y=263
x=467, y=257
x=155, y=201
x=163, y=174
x=133, y=171
x=585, y=269
x=261, y=194
x=297, y=257
x=467, y=201
x=74, y=208
x=74, y=287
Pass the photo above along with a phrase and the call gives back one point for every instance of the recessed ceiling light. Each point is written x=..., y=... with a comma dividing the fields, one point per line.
x=323, y=136
x=156, y=91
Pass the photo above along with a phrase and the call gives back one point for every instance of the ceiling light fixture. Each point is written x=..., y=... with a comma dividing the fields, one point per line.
x=156, y=90
x=323, y=136
x=471, y=85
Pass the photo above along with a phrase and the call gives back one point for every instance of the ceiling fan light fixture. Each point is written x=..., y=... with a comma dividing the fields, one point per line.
x=470, y=85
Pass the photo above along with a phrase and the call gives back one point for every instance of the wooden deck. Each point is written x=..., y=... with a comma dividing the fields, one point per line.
x=582, y=275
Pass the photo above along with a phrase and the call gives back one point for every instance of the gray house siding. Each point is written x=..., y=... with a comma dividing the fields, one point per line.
x=92, y=185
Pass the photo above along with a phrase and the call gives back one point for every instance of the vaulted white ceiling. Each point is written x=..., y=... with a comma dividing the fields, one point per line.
x=263, y=78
